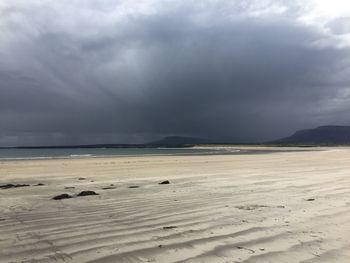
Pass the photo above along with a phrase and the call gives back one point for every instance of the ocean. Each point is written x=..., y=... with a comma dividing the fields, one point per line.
x=67, y=153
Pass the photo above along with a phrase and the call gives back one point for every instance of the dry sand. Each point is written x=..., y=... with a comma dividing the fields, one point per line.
x=279, y=207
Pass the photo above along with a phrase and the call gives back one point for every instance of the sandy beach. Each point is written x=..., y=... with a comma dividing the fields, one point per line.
x=276, y=207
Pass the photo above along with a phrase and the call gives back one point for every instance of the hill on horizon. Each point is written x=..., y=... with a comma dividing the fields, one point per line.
x=330, y=134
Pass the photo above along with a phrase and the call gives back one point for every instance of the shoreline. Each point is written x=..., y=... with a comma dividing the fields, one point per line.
x=215, y=150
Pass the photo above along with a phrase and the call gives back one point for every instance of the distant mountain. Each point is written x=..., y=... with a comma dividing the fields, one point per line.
x=180, y=141
x=319, y=135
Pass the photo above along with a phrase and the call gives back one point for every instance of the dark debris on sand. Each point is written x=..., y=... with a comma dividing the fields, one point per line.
x=62, y=196
x=108, y=187
x=133, y=186
x=165, y=182
x=86, y=193
x=310, y=199
x=8, y=186
x=169, y=227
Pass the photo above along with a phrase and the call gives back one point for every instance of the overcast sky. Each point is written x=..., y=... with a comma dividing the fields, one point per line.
x=104, y=71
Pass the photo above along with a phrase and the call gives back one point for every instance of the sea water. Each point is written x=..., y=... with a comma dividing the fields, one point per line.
x=63, y=153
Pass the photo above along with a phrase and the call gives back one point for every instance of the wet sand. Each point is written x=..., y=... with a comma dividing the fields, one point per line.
x=279, y=207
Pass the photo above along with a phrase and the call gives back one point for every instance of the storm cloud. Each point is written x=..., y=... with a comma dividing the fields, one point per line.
x=75, y=72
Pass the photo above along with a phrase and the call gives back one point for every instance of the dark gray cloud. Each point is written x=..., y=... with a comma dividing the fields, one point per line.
x=111, y=71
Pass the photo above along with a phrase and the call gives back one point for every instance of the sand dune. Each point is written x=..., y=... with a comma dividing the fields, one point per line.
x=279, y=207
